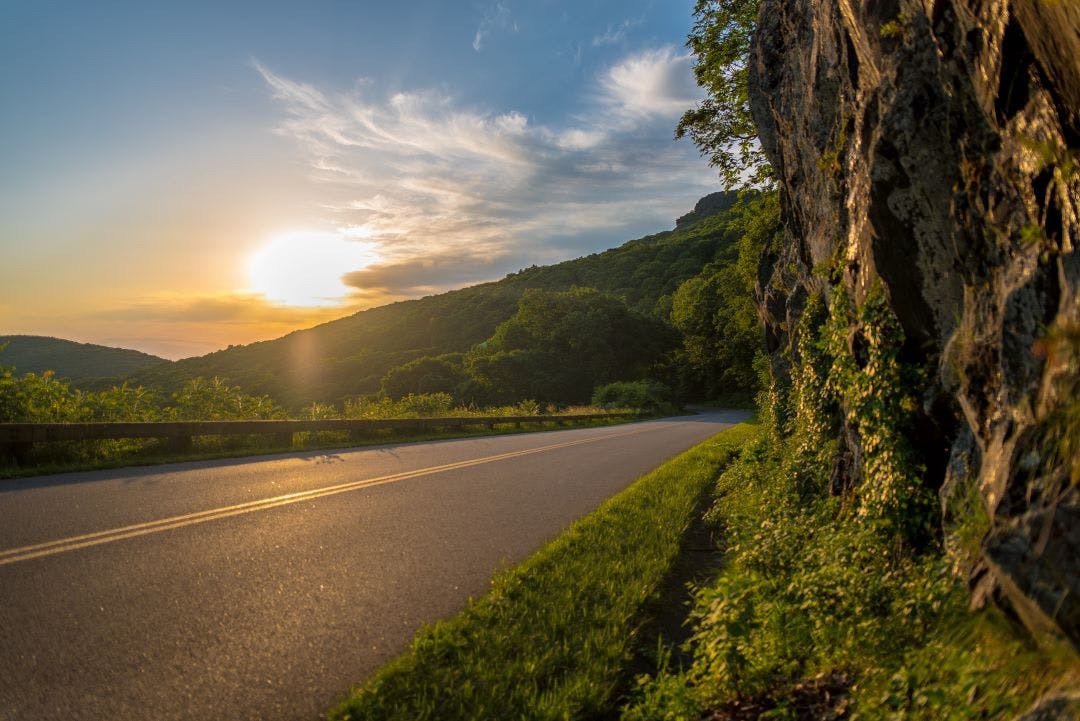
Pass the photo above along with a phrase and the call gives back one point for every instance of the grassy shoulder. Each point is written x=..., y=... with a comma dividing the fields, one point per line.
x=553, y=638
x=820, y=614
x=100, y=455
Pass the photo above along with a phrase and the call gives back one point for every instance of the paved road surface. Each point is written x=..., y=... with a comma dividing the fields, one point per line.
x=262, y=588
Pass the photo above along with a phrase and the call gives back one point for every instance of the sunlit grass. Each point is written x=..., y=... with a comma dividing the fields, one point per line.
x=553, y=638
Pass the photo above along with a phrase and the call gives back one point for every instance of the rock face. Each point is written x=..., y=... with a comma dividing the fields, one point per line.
x=711, y=204
x=927, y=148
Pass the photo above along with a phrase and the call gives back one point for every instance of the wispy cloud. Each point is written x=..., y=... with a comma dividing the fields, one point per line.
x=497, y=16
x=440, y=188
x=615, y=33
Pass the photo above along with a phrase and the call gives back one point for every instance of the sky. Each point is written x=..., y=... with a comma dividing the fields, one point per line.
x=179, y=177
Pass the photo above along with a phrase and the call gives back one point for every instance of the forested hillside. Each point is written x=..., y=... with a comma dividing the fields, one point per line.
x=350, y=356
x=83, y=364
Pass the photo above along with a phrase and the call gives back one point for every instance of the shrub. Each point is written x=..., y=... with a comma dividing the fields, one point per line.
x=640, y=395
x=215, y=400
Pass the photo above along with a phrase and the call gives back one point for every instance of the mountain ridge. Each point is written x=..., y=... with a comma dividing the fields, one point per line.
x=348, y=356
x=83, y=364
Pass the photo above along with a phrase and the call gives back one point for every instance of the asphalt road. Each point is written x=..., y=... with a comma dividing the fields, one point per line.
x=262, y=588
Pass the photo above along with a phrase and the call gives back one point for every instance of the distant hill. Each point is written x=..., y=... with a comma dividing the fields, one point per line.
x=83, y=364
x=348, y=357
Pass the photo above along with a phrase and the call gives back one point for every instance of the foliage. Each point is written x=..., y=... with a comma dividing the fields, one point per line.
x=215, y=400
x=715, y=312
x=808, y=589
x=559, y=345
x=550, y=639
x=896, y=27
x=33, y=398
x=811, y=430
x=427, y=405
x=124, y=403
x=722, y=125
x=875, y=392
x=42, y=398
x=442, y=374
x=639, y=395
x=320, y=411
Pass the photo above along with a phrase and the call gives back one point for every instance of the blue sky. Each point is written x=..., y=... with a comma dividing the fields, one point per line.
x=155, y=156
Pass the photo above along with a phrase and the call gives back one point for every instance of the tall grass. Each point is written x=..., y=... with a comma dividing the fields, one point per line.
x=814, y=597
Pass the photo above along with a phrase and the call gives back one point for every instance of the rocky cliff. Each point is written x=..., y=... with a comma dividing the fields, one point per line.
x=925, y=152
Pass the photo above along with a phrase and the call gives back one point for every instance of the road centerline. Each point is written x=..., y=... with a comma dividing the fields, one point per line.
x=73, y=543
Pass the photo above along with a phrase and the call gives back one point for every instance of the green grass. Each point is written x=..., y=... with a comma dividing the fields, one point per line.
x=151, y=452
x=553, y=638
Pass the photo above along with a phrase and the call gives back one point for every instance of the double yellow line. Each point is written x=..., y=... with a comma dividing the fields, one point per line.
x=73, y=543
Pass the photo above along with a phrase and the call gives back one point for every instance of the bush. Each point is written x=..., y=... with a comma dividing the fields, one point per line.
x=424, y=375
x=640, y=395
x=215, y=400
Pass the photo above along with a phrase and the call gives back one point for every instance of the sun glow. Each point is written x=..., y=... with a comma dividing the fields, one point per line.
x=305, y=269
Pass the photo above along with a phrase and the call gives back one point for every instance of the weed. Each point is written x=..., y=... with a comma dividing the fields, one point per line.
x=895, y=28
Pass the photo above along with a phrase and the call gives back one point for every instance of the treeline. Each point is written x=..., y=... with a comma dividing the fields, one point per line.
x=42, y=398
x=559, y=347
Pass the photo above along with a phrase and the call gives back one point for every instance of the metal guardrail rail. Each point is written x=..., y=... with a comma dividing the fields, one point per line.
x=16, y=439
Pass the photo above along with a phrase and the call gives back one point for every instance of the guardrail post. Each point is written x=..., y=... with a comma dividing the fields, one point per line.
x=178, y=444
x=15, y=451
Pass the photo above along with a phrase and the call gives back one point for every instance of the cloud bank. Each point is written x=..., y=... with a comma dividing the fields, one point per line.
x=452, y=195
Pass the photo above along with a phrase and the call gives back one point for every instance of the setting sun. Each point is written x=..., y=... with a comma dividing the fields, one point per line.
x=305, y=269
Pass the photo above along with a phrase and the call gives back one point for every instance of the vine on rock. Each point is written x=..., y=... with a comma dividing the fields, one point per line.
x=873, y=387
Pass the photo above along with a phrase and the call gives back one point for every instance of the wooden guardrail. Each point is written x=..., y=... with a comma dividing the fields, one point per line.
x=17, y=439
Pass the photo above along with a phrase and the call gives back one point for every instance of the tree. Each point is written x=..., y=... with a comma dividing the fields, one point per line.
x=557, y=347
x=442, y=374
x=643, y=395
x=722, y=126
x=715, y=311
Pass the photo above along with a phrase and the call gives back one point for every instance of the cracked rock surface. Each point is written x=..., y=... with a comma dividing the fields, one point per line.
x=925, y=146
